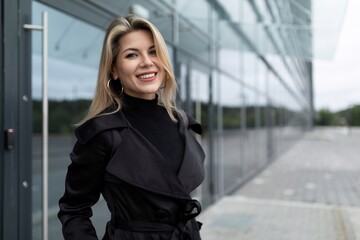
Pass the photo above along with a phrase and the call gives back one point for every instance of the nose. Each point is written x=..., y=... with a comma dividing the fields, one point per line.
x=146, y=61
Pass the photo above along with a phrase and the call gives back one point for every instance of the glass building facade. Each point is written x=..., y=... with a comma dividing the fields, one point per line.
x=243, y=70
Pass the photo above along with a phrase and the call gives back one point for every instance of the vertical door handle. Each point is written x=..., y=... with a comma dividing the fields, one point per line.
x=45, y=128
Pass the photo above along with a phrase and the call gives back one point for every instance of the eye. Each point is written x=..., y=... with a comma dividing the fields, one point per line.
x=152, y=52
x=131, y=55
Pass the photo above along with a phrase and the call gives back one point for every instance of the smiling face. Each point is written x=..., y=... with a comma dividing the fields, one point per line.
x=137, y=65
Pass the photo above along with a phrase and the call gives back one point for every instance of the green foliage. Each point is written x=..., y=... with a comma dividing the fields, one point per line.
x=37, y=117
x=325, y=117
x=353, y=115
x=231, y=117
x=347, y=117
x=62, y=115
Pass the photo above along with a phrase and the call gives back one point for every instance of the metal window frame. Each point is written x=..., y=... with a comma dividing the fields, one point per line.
x=11, y=222
x=15, y=86
x=2, y=138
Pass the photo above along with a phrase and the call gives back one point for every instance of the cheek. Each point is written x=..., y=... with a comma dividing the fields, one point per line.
x=124, y=70
x=159, y=66
x=163, y=74
x=126, y=80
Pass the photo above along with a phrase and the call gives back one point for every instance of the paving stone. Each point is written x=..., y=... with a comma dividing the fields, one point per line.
x=311, y=192
x=242, y=218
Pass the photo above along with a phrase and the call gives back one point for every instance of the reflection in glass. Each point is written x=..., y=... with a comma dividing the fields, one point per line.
x=74, y=52
x=230, y=101
x=199, y=95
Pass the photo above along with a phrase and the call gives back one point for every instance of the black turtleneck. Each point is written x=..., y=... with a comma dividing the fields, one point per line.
x=154, y=123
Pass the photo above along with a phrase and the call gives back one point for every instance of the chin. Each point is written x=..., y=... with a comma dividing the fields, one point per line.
x=153, y=89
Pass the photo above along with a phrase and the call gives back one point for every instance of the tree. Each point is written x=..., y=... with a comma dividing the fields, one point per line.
x=353, y=115
x=326, y=118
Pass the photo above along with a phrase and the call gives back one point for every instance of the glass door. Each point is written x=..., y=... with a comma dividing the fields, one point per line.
x=73, y=54
x=199, y=105
x=194, y=99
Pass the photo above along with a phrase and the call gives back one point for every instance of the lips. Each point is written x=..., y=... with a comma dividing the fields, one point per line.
x=147, y=76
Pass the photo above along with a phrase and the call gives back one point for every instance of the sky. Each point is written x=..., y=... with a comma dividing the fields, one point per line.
x=337, y=80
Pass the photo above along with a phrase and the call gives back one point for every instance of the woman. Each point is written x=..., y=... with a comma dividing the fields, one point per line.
x=134, y=146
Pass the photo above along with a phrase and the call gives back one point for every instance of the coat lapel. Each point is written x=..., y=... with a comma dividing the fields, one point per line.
x=191, y=173
x=137, y=162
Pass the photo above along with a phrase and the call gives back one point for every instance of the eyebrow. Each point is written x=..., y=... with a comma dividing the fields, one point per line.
x=135, y=49
x=131, y=49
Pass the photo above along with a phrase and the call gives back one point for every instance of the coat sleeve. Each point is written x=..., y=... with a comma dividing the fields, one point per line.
x=83, y=185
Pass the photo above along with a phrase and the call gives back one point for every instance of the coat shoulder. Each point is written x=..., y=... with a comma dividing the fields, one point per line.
x=98, y=124
x=190, y=122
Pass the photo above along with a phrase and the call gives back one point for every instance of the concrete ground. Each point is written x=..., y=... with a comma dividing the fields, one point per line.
x=311, y=192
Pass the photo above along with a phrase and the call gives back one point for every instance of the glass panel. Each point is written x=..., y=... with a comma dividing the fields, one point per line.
x=193, y=95
x=190, y=10
x=181, y=81
x=262, y=76
x=304, y=29
x=286, y=68
x=74, y=52
x=194, y=42
x=274, y=118
x=230, y=102
x=157, y=12
x=261, y=133
x=229, y=61
x=239, y=10
x=251, y=145
x=327, y=22
x=199, y=87
x=250, y=69
x=36, y=139
x=288, y=28
x=199, y=92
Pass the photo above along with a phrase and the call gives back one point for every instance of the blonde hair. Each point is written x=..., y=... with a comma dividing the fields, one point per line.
x=105, y=95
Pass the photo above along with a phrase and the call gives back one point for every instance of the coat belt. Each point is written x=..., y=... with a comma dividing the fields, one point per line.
x=179, y=231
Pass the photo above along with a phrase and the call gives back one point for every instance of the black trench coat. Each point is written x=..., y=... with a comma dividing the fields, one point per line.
x=146, y=198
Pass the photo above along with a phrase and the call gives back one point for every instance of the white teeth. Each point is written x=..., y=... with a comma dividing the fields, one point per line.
x=147, y=75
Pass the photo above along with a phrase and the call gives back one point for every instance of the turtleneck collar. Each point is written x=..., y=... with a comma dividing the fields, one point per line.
x=139, y=105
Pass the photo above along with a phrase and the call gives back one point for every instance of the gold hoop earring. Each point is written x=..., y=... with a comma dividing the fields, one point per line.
x=122, y=90
x=114, y=91
x=108, y=84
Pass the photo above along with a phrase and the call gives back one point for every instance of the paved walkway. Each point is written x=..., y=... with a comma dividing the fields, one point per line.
x=312, y=192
